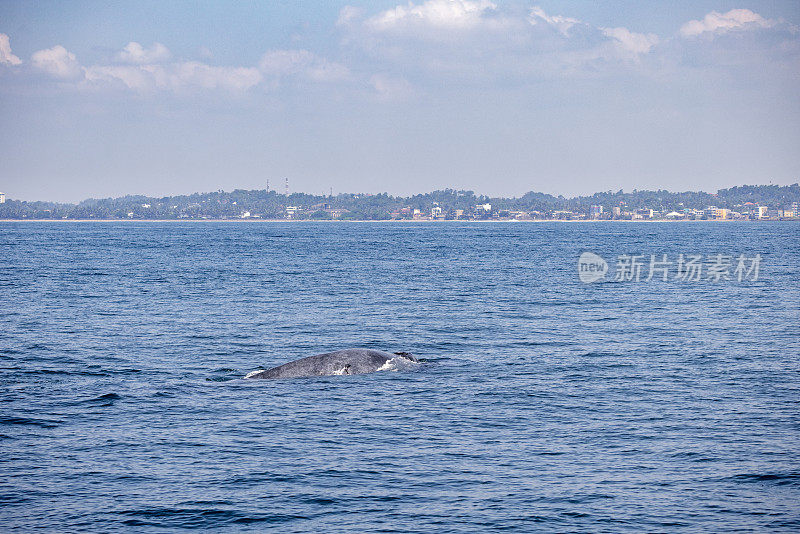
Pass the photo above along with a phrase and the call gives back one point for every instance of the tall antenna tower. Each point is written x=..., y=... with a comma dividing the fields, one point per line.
x=267, y=185
x=287, y=187
x=331, y=191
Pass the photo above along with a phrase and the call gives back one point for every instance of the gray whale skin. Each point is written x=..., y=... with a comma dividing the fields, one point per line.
x=341, y=362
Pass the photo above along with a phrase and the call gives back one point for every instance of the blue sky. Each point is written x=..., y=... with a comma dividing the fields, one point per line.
x=157, y=98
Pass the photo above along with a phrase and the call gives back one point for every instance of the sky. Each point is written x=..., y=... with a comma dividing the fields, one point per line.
x=102, y=99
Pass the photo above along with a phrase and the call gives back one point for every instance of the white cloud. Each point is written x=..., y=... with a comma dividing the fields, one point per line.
x=348, y=14
x=146, y=71
x=236, y=79
x=631, y=42
x=144, y=76
x=136, y=54
x=6, y=57
x=140, y=79
x=175, y=77
x=328, y=71
x=477, y=42
x=735, y=19
x=443, y=14
x=560, y=23
x=57, y=62
x=390, y=87
x=285, y=63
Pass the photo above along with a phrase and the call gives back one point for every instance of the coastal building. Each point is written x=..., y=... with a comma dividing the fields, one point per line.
x=596, y=211
x=483, y=211
x=563, y=215
x=760, y=212
x=2, y=198
x=436, y=211
x=336, y=213
x=721, y=214
x=645, y=213
x=291, y=211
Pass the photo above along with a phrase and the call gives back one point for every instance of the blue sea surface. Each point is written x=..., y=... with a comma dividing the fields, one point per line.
x=542, y=403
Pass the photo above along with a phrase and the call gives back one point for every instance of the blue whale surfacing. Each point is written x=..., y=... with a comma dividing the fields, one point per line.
x=340, y=362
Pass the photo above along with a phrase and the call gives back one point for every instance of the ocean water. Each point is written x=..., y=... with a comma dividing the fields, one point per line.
x=542, y=403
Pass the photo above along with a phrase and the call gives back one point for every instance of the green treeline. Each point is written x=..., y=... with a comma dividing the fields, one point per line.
x=271, y=205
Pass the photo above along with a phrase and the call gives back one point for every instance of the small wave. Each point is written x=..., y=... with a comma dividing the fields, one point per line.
x=42, y=423
x=323, y=501
x=37, y=346
x=224, y=374
x=601, y=354
x=63, y=372
x=199, y=517
x=780, y=479
x=13, y=498
x=123, y=371
x=104, y=400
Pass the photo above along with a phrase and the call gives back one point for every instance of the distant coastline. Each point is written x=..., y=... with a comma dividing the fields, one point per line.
x=747, y=202
x=400, y=221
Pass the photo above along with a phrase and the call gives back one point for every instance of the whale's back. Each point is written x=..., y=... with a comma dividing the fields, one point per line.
x=340, y=362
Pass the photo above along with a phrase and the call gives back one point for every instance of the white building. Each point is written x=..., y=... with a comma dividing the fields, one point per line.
x=2, y=198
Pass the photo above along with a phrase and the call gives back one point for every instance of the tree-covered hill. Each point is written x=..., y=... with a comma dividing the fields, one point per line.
x=271, y=205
